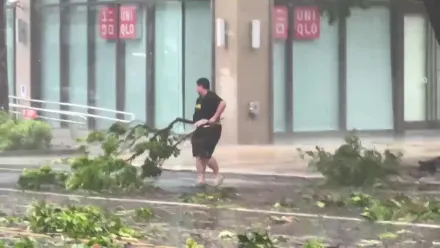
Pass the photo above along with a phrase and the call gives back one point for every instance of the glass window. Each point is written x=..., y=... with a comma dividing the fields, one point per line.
x=105, y=95
x=198, y=49
x=415, y=67
x=168, y=63
x=369, y=79
x=136, y=68
x=49, y=29
x=78, y=63
x=315, y=81
x=279, y=86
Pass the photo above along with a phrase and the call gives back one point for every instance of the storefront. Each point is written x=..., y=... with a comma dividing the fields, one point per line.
x=372, y=71
x=149, y=69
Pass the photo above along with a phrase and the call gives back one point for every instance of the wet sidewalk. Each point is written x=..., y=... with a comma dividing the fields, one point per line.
x=285, y=160
x=281, y=159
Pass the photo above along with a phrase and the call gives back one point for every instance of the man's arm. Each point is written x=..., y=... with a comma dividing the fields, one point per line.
x=221, y=107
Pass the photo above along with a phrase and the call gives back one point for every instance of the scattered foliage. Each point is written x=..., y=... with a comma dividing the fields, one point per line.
x=77, y=222
x=23, y=242
x=144, y=213
x=216, y=196
x=397, y=208
x=191, y=243
x=313, y=243
x=23, y=134
x=78, y=226
x=353, y=164
x=254, y=240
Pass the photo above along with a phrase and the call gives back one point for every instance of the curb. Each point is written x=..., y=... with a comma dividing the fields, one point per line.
x=303, y=175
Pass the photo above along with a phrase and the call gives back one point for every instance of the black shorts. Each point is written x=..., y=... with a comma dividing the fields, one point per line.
x=204, y=140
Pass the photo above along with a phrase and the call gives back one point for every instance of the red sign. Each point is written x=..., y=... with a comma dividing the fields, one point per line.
x=108, y=21
x=307, y=23
x=280, y=22
x=127, y=27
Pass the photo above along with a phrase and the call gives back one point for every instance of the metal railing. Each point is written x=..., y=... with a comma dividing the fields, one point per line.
x=17, y=106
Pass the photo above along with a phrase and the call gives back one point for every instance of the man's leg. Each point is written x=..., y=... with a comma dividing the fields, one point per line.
x=201, y=168
x=212, y=163
x=197, y=150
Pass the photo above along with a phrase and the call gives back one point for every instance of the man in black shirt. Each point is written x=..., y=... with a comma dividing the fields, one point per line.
x=209, y=107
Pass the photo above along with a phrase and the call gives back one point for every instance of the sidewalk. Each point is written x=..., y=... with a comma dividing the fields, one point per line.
x=285, y=159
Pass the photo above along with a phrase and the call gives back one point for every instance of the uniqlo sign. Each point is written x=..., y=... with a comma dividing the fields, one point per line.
x=307, y=20
x=280, y=22
x=127, y=22
x=108, y=22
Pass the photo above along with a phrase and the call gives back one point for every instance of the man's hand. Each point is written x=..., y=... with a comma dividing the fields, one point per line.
x=213, y=120
x=201, y=122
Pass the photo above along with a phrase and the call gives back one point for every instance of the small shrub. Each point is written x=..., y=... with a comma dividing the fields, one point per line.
x=23, y=134
x=35, y=178
x=352, y=164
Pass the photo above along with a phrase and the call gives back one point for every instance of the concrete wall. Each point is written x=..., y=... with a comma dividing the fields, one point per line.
x=23, y=51
x=243, y=74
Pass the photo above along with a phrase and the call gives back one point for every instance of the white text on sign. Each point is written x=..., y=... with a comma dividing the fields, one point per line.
x=307, y=23
x=127, y=27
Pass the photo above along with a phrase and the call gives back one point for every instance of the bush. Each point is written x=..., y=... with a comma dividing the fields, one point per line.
x=23, y=134
x=352, y=164
x=35, y=178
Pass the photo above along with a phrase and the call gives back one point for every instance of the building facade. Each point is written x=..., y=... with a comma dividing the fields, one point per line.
x=374, y=71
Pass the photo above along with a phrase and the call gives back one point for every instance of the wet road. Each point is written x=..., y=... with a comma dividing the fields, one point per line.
x=172, y=224
x=178, y=221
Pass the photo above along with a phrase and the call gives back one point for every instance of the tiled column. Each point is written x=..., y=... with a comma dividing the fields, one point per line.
x=243, y=74
x=23, y=49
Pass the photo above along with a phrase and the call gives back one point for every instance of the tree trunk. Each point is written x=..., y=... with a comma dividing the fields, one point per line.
x=4, y=91
x=433, y=9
